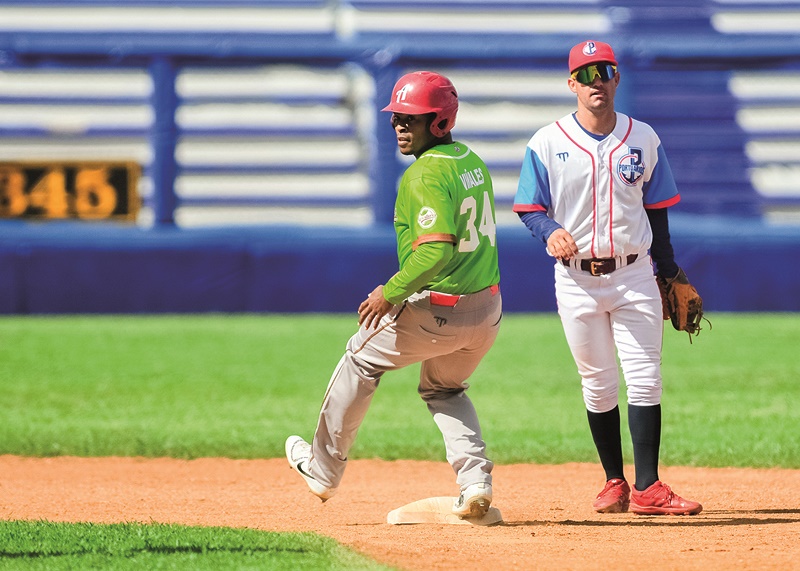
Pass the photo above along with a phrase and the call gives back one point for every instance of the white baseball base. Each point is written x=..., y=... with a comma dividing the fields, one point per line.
x=438, y=510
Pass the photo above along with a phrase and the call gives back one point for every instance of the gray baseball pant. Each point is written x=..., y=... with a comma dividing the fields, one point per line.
x=449, y=342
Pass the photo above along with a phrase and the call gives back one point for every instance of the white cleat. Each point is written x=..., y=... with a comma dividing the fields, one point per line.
x=474, y=501
x=298, y=453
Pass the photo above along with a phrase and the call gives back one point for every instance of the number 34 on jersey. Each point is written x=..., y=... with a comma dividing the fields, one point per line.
x=476, y=228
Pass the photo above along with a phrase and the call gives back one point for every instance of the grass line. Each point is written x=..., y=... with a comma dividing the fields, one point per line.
x=113, y=546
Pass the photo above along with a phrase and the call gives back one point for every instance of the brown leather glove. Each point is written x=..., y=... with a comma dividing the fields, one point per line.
x=681, y=303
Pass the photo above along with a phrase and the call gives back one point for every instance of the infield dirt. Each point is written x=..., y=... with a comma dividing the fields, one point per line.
x=751, y=518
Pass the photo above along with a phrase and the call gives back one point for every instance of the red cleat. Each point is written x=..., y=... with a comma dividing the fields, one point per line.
x=659, y=499
x=614, y=498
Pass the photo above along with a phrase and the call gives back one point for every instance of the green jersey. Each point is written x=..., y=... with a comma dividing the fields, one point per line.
x=446, y=195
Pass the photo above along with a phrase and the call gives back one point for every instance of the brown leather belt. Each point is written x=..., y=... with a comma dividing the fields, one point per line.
x=601, y=266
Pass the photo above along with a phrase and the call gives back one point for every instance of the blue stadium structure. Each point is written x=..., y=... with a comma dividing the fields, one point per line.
x=268, y=173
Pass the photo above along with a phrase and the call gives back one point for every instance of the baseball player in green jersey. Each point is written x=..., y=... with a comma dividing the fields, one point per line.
x=441, y=309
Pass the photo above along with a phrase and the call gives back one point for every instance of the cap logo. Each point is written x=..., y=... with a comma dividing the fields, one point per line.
x=589, y=49
x=402, y=93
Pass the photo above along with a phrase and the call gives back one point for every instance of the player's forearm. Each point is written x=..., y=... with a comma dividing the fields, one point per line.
x=661, y=248
x=423, y=264
x=540, y=224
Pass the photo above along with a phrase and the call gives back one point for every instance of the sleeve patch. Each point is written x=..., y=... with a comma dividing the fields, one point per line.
x=427, y=217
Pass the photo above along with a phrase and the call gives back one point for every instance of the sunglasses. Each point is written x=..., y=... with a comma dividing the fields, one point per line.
x=586, y=75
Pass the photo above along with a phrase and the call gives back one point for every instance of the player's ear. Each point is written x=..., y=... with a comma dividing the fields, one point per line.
x=571, y=83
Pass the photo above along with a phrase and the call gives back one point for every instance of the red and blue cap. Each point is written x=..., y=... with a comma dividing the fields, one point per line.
x=589, y=52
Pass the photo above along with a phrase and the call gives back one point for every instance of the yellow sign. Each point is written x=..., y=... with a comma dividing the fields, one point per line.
x=87, y=190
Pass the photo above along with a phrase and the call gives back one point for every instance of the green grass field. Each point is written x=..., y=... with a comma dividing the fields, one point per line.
x=237, y=385
x=59, y=546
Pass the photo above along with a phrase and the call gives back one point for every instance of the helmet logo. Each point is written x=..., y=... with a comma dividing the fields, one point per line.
x=402, y=93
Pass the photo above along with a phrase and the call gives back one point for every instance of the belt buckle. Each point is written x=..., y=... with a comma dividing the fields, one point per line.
x=596, y=268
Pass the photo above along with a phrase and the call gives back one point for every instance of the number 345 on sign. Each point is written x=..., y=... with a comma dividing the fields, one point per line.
x=69, y=189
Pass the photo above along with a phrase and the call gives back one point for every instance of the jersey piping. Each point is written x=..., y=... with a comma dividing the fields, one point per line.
x=594, y=184
x=611, y=186
x=437, y=155
x=433, y=238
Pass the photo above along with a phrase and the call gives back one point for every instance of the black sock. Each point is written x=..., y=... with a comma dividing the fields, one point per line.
x=645, y=426
x=606, y=435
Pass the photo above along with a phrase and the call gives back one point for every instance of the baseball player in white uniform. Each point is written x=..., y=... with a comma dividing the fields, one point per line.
x=594, y=188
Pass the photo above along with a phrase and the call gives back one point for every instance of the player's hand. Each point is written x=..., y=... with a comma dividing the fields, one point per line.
x=373, y=308
x=561, y=245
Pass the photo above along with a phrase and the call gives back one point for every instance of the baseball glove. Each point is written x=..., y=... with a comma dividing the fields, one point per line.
x=681, y=303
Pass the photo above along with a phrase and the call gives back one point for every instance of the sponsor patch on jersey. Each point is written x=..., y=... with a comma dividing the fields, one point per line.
x=630, y=167
x=427, y=217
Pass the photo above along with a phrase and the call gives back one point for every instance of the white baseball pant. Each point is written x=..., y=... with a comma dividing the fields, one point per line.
x=623, y=310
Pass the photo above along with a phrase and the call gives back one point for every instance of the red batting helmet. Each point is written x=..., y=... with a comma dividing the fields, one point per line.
x=422, y=92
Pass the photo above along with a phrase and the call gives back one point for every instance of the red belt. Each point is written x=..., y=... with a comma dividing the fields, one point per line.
x=450, y=300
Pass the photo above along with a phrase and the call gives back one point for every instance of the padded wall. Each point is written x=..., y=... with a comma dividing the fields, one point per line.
x=736, y=264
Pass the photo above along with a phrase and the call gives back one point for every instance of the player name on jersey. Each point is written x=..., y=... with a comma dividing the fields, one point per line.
x=473, y=178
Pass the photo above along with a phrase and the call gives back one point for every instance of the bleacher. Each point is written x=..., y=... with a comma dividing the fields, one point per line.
x=273, y=134
x=265, y=113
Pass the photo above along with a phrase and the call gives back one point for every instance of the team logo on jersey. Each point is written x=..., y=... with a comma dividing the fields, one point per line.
x=630, y=167
x=589, y=49
x=427, y=217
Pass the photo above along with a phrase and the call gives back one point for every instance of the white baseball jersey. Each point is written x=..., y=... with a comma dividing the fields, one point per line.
x=595, y=186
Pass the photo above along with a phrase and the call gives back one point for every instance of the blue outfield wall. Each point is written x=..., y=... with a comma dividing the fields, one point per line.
x=69, y=267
